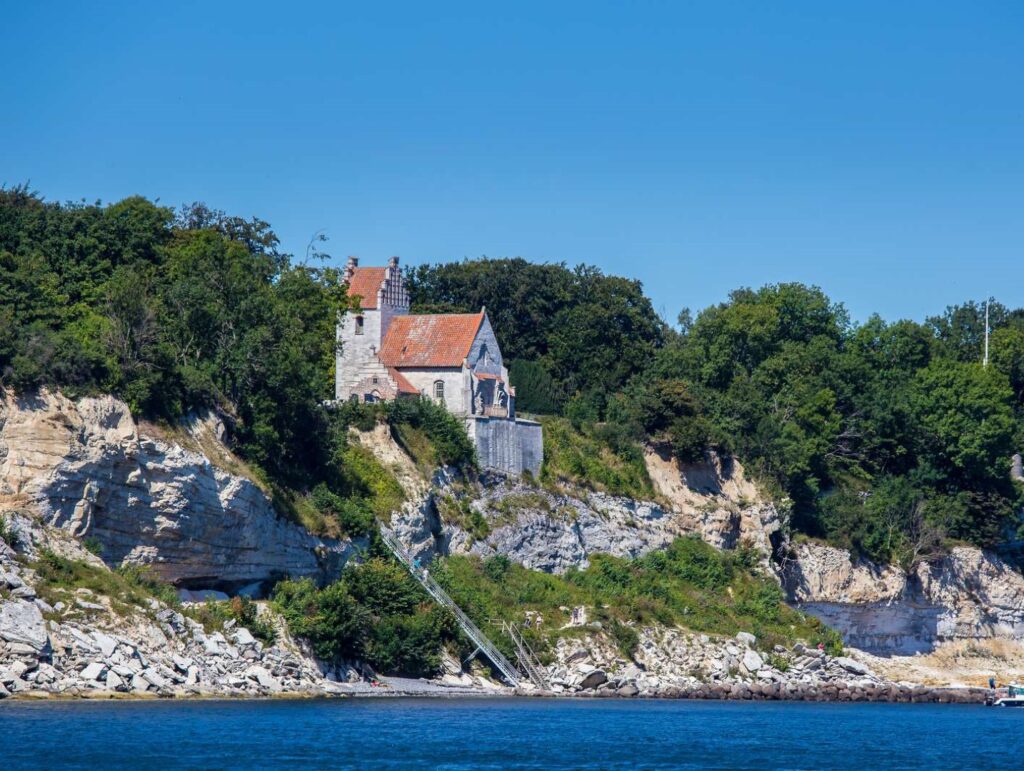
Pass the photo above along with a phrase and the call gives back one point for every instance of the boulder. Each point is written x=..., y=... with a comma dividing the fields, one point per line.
x=93, y=671
x=746, y=638
x=594, y=679
x=106, y=643
x=114, y=681
x=852, y=666
x=22, y=623
x=243, y=636
x=752, y=661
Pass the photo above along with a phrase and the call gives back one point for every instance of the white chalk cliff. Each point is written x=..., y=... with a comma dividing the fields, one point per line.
x=87, y=466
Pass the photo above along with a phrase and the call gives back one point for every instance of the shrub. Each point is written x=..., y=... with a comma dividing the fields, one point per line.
x=353, y=516
x=596, y=456
x=536, y=391
x=330, y=619
x=376, y=612
x=242, y=610
x=451, y=443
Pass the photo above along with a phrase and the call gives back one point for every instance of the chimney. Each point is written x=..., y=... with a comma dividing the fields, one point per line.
x=350, y=267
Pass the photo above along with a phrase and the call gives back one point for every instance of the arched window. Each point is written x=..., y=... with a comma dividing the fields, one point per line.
x=359, y=325
x=439, y=390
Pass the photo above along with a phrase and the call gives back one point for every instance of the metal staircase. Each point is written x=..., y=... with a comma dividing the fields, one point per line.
x=526, y=656
x=479, y=639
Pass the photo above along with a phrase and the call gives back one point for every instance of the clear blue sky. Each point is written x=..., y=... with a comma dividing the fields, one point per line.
x=876, y=150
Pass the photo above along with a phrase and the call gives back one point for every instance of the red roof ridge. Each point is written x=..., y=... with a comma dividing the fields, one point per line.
x=430, y=340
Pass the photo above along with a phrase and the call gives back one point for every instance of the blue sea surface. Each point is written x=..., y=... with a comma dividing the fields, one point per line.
x=506, y=733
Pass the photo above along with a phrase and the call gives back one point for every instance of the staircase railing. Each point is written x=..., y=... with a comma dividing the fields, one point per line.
x=527, y=658
x=483, y=644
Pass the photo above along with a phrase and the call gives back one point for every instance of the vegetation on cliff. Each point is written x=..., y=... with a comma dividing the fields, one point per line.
x=889, y=437
x=376, y=613
x=689, y=584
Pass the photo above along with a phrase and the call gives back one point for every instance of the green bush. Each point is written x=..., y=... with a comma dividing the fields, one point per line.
x=128, y=588
x=599, y=457
x=242, y=610
x=376, y=613
x=353, y=516
x=690, y=583
x=330, y=619
x=447, y=434
x=536, y=390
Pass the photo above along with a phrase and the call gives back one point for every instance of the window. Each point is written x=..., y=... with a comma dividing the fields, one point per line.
x=439, y=389
x=375, y=380
x=359, y=325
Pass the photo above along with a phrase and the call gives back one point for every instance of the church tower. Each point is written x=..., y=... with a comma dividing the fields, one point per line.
x=380, y=295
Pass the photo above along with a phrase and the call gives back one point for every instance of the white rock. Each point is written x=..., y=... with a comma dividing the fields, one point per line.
x=852, y=666
x=139, y=683
x=151, y=676
x=752, y=662
x=93, y=671
x=181, y=663
x=243, y=636
x=114, y=681
x=21, y=622
x=106, y=643
x=746, y=638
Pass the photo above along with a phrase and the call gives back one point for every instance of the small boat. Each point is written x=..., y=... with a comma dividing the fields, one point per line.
x=1013, y=698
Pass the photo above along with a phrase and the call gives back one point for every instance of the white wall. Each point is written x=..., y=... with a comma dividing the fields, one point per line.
x=358, y=353
x=456, y=383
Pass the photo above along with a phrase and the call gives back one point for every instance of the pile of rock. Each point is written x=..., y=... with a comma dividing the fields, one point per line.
x=83, y=647
x=672, y=663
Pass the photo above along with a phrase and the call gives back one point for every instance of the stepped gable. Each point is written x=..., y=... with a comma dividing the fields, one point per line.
x=435, y=340
x=404, y=386
x=365, y=283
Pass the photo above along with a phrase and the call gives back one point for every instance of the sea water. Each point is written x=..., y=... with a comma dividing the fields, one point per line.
x=506, y=733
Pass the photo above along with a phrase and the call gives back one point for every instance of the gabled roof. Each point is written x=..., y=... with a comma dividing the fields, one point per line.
x=404, y=386
x=434, y=340
x=365, y=283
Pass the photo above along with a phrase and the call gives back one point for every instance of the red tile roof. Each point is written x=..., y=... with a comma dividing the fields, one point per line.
x=435, y=340
x=365, y=283
x=404, y=386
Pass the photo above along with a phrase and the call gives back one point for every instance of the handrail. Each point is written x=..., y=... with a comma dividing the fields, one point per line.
x=527, y=658
x=506, y=667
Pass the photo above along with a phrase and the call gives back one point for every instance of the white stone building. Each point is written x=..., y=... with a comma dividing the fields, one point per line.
x=453, y=358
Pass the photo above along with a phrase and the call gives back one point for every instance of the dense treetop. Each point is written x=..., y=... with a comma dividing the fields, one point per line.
x=889, y=437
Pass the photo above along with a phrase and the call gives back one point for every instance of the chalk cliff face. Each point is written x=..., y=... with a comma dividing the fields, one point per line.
x=554, y=532
x=969, y=594
x=86, y=466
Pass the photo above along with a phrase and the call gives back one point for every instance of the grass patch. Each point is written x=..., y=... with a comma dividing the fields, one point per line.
x=511, y=506
x=127, y=588
x=457, y=512
x=242, y=610
x=417, y=445
x=370, y=482
x=690, y=584
x=593, y=458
